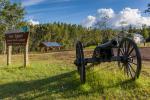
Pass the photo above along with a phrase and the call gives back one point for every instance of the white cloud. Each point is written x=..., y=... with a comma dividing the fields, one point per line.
x=105, y=12
x=89, y=21
x=31, y=2
x=58, y=1
x=124, y=18
x=35, y=2
x=32, y=22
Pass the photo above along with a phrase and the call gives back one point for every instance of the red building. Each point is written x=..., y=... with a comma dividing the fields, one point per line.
x=50, y=46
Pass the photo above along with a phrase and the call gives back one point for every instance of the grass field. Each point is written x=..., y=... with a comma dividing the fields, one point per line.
x=53, y=76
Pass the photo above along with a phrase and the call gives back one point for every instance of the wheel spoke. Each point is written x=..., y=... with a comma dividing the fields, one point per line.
x=128, y=47
x=131, y=51
x=132, y=56
x=133, y=63
x=131, y=67
x=121, y=51
x=130, y=71
x=125, y=44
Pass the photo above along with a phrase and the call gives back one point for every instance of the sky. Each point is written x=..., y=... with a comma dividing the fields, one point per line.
x=76, y=11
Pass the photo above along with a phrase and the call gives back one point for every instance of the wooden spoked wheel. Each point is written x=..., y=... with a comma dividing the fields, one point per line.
x=130, y=60
x=80, y=63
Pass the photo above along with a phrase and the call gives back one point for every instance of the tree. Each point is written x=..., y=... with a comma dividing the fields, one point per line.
x=11, y=14
x=145, y=32
x=148, y=9
x=130, y=30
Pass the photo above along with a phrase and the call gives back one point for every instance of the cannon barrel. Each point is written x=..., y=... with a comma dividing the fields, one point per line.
x=109, y=44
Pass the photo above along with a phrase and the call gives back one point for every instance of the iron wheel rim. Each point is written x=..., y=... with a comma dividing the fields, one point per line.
x=80, y=61
x=131, y=64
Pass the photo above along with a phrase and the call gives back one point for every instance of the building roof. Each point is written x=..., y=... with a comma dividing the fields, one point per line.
x=51, y=44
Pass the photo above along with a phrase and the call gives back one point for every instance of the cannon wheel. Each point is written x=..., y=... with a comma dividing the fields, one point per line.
x=131, y=58
x=80, y=61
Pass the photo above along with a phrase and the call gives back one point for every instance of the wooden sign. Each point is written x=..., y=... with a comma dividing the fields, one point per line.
x=18, y=38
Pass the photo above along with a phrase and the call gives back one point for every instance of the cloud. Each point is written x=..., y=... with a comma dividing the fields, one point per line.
x=31, y=2
x=41, y=10
x=103, y=12
x=32, y=22
x=89, y=21
x=35, y=2
x=124, y=18
x=58, y=1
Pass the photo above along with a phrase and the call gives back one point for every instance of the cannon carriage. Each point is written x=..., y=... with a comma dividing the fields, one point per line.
x=128, y=57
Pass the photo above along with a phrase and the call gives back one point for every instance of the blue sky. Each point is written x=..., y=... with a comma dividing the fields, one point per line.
x=73, y=11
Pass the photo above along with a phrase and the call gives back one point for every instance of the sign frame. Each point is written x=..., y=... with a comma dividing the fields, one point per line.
x=17, y=38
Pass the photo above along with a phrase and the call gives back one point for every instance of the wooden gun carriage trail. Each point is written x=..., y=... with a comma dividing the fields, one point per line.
x=128, y=57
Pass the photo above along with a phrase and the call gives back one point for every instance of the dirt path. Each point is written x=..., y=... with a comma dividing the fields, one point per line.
x=70, y=55
x=145, y=53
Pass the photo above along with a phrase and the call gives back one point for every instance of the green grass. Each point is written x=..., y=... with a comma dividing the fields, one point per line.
x=91, y=47
x=49, y=77
x=142, y=44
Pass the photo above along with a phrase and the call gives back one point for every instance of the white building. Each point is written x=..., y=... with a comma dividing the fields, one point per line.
x=138, y=38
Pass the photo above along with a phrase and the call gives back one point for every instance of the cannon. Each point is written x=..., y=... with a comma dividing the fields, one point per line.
x=127, y=56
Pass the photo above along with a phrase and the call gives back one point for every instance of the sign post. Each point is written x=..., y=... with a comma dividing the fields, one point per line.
x=26, y=58
x=9, y=51
x=17, y=38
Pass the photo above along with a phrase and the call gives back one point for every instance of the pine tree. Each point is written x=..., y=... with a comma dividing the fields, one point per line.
x=145, y=33
x=148, y=9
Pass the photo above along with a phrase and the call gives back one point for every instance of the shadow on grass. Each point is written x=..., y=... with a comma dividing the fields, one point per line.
x=66, y=84
x=10, y=67
x=54, y=84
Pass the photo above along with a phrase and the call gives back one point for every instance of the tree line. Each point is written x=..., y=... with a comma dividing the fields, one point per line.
x=67, y=35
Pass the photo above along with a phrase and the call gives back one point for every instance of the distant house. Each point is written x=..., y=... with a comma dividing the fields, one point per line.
x=48, y=46
x=138, y=38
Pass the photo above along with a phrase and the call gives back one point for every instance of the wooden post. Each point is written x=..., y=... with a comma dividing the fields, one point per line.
x=9, y=51
x=4, y=45
x=26, y=58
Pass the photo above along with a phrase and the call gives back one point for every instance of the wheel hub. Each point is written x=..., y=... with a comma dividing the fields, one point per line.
x=125, y=59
